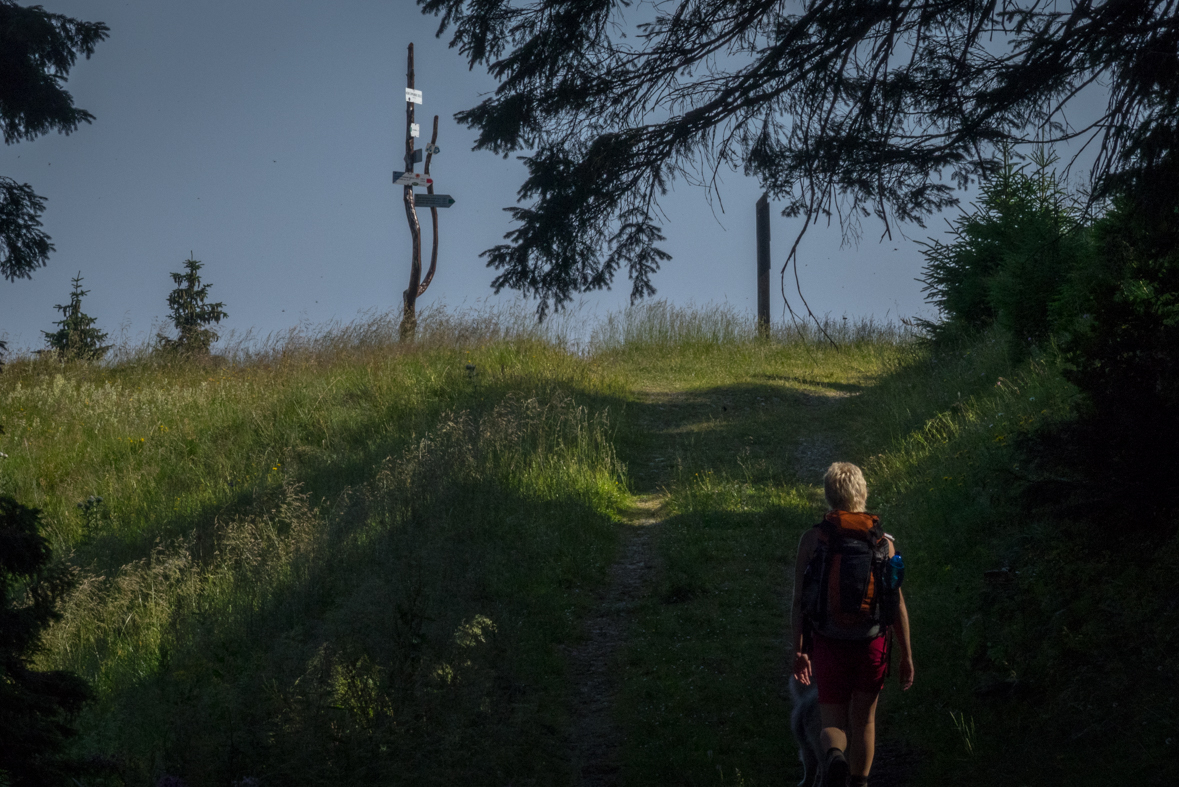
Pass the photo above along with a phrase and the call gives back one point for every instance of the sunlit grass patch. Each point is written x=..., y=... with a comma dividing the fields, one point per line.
x=327, y=552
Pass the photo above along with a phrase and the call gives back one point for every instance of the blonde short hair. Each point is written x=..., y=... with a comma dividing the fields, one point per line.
x=845, y=487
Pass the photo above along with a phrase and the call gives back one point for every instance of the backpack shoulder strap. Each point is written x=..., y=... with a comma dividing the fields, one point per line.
x=879, y=540
x=827, y=530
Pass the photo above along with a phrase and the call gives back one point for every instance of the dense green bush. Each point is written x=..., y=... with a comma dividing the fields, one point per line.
x=1007, y=259
x=1121, y=351
x=37, y=708
x=1107, y=294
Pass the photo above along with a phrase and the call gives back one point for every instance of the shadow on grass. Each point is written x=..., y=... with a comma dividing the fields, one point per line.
x=707, y=676
x=845, y=388
x=749, y=431
x=415, y=640
x=705, y=697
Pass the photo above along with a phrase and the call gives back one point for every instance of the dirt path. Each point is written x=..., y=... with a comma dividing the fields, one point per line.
x=595, y=664
x=597, y=741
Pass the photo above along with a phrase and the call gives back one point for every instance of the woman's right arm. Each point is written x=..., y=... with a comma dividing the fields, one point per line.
x=901, y=625
x=903, y=643
x=802, y=663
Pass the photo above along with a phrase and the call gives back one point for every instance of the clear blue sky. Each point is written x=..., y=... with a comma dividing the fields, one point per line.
x=260, y=136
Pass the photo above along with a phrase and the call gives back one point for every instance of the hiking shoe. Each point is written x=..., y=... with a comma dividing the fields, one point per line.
x=837, y=770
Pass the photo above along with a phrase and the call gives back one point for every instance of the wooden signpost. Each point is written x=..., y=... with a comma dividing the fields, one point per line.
x=408, y=179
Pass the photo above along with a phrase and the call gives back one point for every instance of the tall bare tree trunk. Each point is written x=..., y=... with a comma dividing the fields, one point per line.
x=763, y=266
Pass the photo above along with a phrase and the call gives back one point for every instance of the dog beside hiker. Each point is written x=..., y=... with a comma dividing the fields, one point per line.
x=847, y=609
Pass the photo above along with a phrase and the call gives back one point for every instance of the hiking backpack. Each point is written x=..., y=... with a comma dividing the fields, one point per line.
x=843, y=590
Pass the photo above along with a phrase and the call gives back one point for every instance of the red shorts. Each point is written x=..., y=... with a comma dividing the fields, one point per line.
x=842, y=666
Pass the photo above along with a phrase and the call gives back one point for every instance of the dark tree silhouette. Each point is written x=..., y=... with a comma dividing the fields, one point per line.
x=76, y=336
x=37, y=51
x=844, y=109
x=191, y=315
x=36, y=708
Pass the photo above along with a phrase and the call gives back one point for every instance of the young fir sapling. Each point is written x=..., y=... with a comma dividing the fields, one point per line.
x=191, y=315
x=76, y=336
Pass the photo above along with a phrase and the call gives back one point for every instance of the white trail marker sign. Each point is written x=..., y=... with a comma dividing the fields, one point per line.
x=411, y=179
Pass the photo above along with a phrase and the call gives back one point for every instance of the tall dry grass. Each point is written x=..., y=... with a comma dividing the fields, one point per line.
x=663, y=324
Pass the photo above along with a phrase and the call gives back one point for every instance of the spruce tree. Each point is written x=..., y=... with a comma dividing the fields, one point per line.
x=842, y=110
x=191, y=315
x=37, y=51
x=1010, y=258
x=1120, y=354
x=76, y=336
x=37, y=709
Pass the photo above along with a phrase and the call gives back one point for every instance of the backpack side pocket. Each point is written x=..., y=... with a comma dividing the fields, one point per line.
x=813, y=579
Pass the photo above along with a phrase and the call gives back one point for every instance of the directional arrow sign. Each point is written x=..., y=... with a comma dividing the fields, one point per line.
x=411, y=179
x=413, y=95
x=433, y=200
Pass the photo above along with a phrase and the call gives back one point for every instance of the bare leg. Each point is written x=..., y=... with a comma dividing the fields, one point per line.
x=834, y=732
x=862, y=732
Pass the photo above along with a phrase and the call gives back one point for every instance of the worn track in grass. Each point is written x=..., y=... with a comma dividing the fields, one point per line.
x=594, y=662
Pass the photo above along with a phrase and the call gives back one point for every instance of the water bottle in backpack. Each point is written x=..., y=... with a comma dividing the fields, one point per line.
x=894, y=573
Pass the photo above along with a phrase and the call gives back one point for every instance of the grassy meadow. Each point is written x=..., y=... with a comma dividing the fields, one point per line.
x=334, y=558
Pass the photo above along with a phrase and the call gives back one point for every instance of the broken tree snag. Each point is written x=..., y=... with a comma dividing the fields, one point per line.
x=763, y=266
x=409, y=319
x=433, y=212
